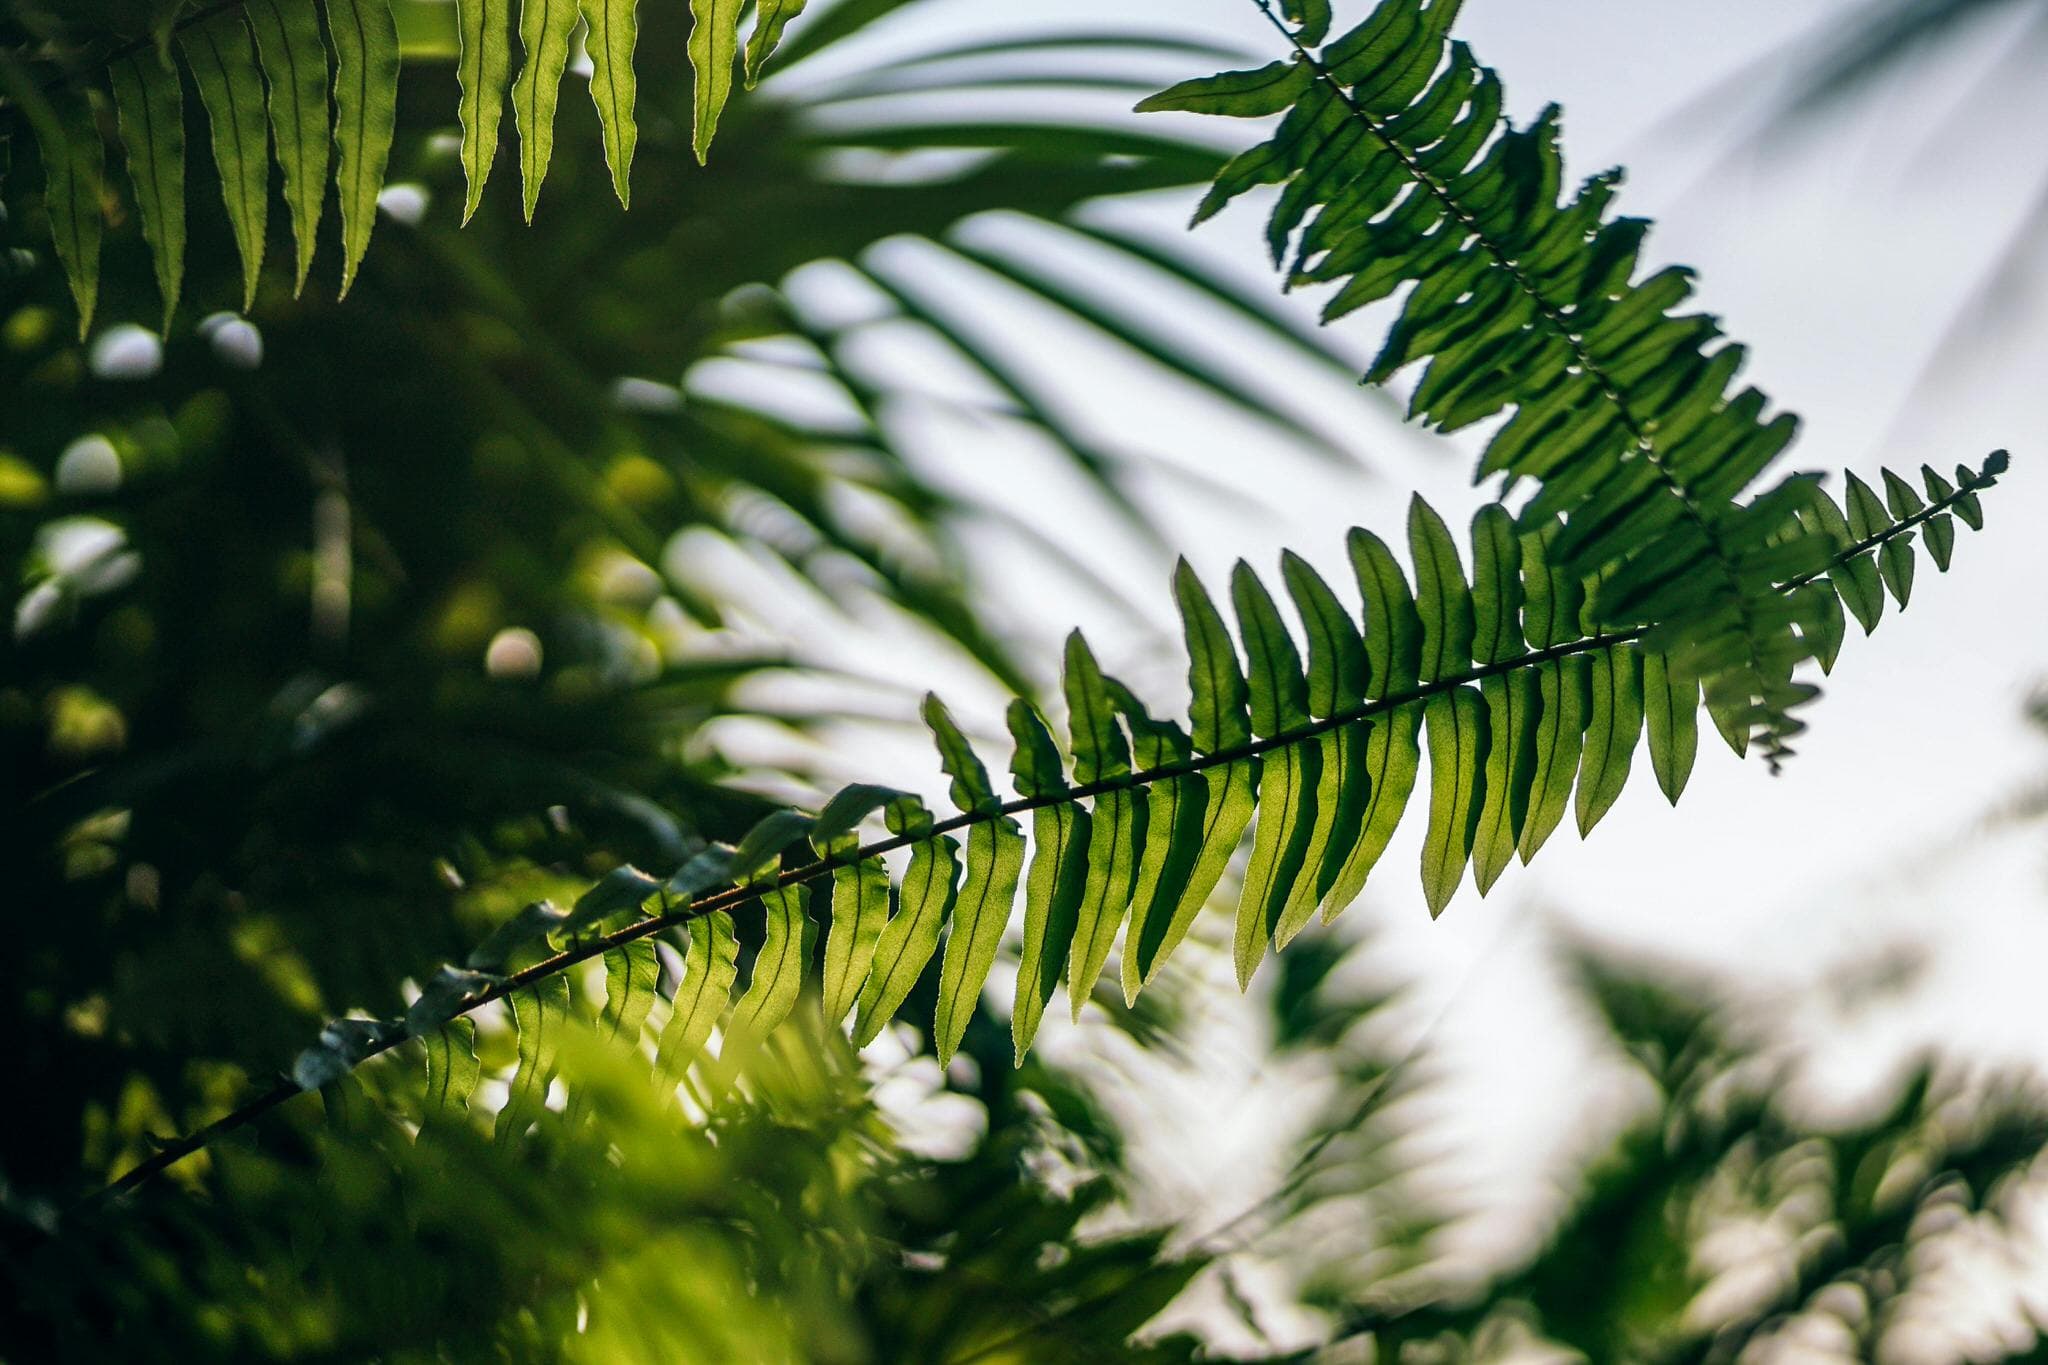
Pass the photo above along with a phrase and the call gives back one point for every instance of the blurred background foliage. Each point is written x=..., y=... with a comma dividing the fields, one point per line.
x=338, y=632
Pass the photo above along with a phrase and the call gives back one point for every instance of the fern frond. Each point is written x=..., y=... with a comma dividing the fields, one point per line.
x=1523, y=700
x=295, y=63
x=1398, y=171
x=244, y=55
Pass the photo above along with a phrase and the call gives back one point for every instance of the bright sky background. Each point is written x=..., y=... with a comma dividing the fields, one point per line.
x=1840, y=256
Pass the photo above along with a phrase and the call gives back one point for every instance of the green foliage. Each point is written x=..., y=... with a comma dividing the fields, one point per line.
x=1398, y=170
x=1718, y=1218
x=783, y=1219
x=244, y=814
x=361, y=50
x=1582, y=716
x=1639, y=582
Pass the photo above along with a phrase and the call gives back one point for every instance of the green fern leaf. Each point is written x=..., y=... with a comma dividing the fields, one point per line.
x=995, y=863
x=1337, y=673
x=613, y=30
x=222, y=59
x=365, y=42
x=1220, y=723
x=713, y=47
x=760, y=850
x=1174, y=825
x=912, y=936
x=1288, y=776
x=770, y=19
x=544, y=30
x=1855, y=579
x=1442, y=599
x=860, y=893
x=778, y=972
x=1614, y=723
x=452, y=1075
x=710, y=965
x=1895, y=567
x=1311, y=18
x=1117, y=823
x=1217, y=712
x=1397, y=169
x=151, y=104
x=1456, y=726
x=74, y=177
x=1511, y=701
x=1513, y=705
x=632, y=975
x=1237, y=94
x=295, y=60
x=971, y=791
x=1562, y=688
x=1671, y=715
x=483, y=70
x=1595, y=691
x=1059, y=867
x=1393, y=752
x=538, y=1016
x=860, y=907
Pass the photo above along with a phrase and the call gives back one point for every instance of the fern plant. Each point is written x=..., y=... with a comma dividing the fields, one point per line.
x=1526, y=707
x=1398, y=169
x=1640, y=582
x=296, y=78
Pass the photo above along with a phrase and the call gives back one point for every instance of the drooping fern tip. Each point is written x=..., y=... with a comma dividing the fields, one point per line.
x=314, y=87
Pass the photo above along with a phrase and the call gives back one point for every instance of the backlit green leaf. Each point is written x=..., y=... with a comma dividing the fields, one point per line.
x=223, y=63
x=452, y=1075
x=710, y=964
x=1614, y=721
x=860, y=907
x=778, y=967
x=713, y=46
x=544, y=29
x=909, y=940
x=632, y=973
x=1562, y=686
x=1217, y=712
x=539, y=1014
x=1671, y=712
x=1513, y=705
x=295, y=61
x=995, y=862
x=1457, y=750
x=770, y=18
x=365, y=42
x=614, y=28
x=151, y=102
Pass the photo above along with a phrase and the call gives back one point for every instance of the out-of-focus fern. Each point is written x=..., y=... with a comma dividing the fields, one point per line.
x=85, y=58
x=781, y=1219
x=1525, y=706
x=1398, y=170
